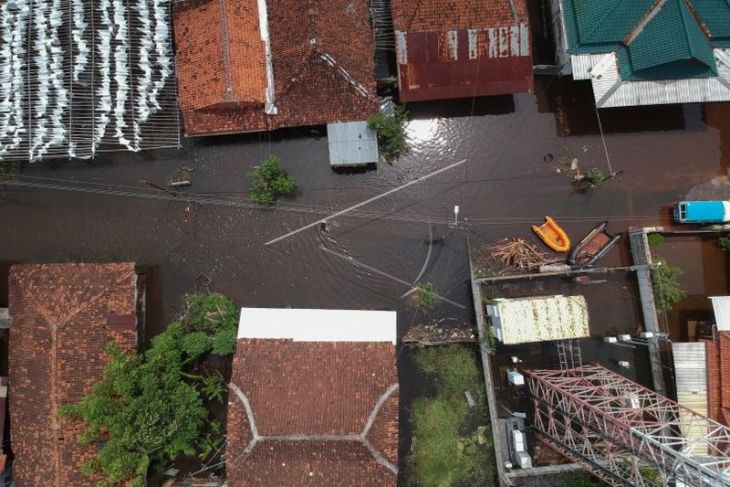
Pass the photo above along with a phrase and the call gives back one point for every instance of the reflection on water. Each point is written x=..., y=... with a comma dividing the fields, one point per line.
x=422, y=131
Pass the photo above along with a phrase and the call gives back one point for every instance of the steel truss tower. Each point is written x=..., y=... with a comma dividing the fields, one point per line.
x=626, y=434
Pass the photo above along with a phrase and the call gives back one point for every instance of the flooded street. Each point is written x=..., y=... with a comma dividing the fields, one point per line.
x=513, y=175
x=516, y=170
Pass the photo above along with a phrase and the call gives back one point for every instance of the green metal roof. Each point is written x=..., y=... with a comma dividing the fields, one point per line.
x=668, y=39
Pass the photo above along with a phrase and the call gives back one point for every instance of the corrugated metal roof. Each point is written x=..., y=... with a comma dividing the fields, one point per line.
x=690, y=371
x=539, y=319
x=609, y=90
x=352, y=144
x=690, y=365
x=721, y=306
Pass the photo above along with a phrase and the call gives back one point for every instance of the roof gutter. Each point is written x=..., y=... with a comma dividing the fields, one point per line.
x=270, y=107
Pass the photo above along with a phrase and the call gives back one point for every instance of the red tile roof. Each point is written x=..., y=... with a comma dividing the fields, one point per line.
x=324, y=414
x=322, y=61
x=461, y=48
x=223, y=60
x=63, y=316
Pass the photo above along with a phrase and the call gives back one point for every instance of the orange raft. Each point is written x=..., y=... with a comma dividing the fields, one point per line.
x=553, y=235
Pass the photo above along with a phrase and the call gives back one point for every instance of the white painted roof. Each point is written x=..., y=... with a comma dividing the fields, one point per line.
x=721, y=306
x=318, y=325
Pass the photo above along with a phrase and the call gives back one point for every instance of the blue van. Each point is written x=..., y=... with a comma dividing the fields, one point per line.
x=702, y=212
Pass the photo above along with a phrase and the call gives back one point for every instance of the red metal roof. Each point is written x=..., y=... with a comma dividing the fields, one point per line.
x=461, y=48
x=718, y=378
x=322, y=57
x=299, y=395
x=61, y=315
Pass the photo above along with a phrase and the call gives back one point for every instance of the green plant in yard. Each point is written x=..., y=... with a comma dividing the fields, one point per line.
x=724, y=242
x=595, y=178
x=149, y=409
x=655, y=239
x=391, y=131
x=426, y=294
x=576, y=479
x=665, y=283
x=435, y=458
x=650, y=473
x=447, y=448
x=453, y=369
x=270, y=181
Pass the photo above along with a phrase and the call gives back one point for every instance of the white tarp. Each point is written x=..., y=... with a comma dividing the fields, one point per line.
x=538, y=319
x=53, y=105
x=318, y=325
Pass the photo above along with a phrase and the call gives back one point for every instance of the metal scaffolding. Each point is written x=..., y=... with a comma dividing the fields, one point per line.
x=626, y=434
x=82, y=76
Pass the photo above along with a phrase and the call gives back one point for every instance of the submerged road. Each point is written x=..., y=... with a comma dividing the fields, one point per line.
x=515, y=172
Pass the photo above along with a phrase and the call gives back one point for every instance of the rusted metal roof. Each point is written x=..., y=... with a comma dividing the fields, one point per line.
x=461, y=49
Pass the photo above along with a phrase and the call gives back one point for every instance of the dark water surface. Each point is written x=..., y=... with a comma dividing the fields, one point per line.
x=514, y=174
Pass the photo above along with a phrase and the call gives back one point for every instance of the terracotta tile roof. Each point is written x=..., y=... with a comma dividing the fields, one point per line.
x=63, y=316
x=220, y=53
x=322, y=61
x=312, y=405
x=439, y=15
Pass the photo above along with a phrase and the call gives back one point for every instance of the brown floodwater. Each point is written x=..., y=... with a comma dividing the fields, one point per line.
x=514, y=174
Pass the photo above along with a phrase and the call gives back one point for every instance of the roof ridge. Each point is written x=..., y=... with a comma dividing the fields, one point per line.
x=697, y=21
x=361, y=438
x=339, y=69
x=42, y=308
x=644, y=21
x=306, y=60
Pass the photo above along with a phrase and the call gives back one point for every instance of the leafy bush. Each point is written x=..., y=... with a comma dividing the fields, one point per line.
x=391, y=130
x=149, y=409
x=426, y=294
x=595, y=178
x=724, y=242
x=448, y=449
x=211, y=320
x=665, y=282
x=655, y=239
x=270, y=181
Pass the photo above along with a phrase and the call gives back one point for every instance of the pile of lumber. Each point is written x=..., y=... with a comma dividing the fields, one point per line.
x=518, y=253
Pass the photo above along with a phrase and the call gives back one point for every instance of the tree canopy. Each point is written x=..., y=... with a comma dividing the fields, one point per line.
x=150, y=409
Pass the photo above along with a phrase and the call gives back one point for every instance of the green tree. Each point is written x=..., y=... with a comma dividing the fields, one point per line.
x=270, y=181
x=149, y=409
x=595, y=178
x=391, y=131
x=144, y=410
x=724, y=242
x=665, y=283
x=427, y=296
